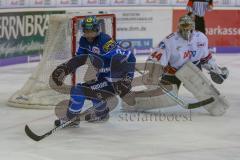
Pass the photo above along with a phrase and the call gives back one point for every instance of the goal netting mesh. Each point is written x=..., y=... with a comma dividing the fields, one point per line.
x=60, y=45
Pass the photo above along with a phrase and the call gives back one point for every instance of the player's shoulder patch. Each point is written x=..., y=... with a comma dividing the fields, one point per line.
x=107, y=42
x=109, y=45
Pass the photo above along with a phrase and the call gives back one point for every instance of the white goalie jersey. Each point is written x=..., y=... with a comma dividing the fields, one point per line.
x=174, y=51
x=182, y=54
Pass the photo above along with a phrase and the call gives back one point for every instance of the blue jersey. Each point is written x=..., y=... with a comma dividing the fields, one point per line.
x=103, y=53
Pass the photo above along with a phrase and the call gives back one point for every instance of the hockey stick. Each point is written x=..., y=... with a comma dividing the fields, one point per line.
x=184, y=104
x=180, y=101
x=80, y=117
x=36, y=137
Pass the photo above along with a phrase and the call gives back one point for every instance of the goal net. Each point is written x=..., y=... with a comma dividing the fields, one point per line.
x=60, y=45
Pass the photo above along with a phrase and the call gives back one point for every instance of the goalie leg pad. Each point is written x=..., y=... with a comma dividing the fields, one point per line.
x=196, y=82
x=150, y=98
x=154, y=71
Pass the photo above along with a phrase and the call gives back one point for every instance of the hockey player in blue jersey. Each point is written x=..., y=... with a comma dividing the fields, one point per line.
x=115, y=70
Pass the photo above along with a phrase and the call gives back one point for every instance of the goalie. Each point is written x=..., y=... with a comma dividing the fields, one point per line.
x=115, y=69
x=179, y=58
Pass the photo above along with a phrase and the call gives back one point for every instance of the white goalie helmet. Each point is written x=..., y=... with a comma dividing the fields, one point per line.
x=185, y=26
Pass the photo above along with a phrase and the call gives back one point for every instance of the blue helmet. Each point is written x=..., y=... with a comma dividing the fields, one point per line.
x=90, y=23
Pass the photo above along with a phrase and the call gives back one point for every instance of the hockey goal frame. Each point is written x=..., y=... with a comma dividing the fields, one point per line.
x=63, y=29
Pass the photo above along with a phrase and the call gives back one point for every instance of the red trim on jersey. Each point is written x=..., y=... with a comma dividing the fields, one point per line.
x=169, y=69
x=205, y=59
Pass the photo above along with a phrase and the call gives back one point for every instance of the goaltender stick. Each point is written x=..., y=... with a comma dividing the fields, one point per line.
x=179, y=58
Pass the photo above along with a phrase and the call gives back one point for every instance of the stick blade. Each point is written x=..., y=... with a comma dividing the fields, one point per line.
x=201, y=103
x=32, y=135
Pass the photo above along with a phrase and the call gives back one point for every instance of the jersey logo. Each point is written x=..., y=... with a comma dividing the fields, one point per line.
x=109, y=45
x=99, y=86
x=193, y=53
x=95, y=50
x=189, y=54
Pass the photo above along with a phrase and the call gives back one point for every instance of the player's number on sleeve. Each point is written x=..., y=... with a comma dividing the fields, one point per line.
x=119, y=51
x=156, y=55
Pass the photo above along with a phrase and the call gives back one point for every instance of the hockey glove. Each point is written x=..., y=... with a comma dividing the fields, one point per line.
x=65, y=69
x=219, y=77
x=59, y=74
x=218, y=74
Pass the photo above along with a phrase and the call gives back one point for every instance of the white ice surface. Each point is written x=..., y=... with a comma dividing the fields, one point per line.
x=200, y=137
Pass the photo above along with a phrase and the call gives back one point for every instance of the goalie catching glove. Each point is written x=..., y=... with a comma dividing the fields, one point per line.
x=218, y=74
x=219, y=78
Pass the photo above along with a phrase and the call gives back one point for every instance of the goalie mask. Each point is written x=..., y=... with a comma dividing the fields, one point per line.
x=90, y=27
x=185, y=26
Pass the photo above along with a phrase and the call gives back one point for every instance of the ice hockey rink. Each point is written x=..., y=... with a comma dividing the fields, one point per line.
x=125, y=136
